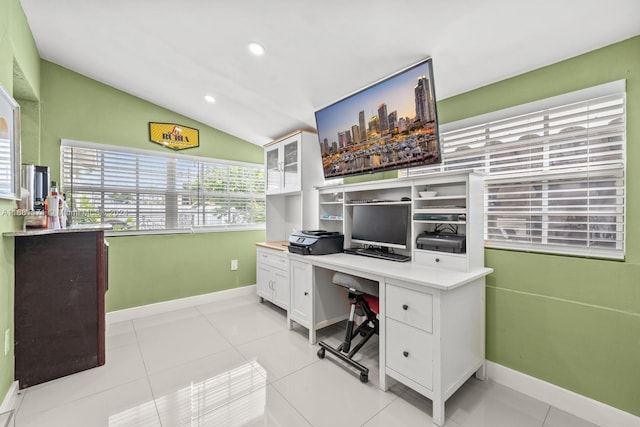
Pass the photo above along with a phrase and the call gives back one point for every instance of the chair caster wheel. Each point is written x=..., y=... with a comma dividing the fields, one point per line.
x=364, y=378
x=321, y=353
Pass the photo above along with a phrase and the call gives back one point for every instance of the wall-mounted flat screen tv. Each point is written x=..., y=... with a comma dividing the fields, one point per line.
x=391, y=124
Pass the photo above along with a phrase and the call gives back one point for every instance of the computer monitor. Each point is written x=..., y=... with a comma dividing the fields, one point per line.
x=386, y=226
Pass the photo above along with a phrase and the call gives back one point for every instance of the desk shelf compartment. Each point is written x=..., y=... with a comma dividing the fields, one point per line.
x=331, y=211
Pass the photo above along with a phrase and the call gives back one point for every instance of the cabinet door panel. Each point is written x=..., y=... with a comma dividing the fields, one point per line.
x=301, y=291
x=291, y=165
x=263, y=281
x=281, y=288
x=273, y=174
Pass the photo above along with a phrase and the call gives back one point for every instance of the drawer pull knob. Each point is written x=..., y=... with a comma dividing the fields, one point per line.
x=306, y=293
x=405, y=307
x=405, y=353
x=437, y=259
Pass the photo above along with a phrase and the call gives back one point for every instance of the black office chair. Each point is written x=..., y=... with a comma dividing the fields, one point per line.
x=363, y=296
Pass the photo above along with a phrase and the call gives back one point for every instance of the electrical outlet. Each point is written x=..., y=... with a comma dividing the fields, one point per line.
x=234, y=264
x=7, y=341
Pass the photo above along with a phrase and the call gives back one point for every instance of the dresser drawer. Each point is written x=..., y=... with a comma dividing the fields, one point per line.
x=442, y=260
x=411, y=307
x=410, y=352
x=273, y=258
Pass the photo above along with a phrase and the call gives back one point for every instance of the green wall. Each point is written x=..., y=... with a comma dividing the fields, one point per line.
x=150, y=268
x=571, y=321
x=16, y=47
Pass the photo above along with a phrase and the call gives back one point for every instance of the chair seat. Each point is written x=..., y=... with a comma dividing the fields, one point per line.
x=366, y=286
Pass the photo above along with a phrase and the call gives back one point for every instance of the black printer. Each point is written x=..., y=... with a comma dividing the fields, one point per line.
x=316, y=242
x=442, y=242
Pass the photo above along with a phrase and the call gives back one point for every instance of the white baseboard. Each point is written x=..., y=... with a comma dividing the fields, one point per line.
x=10, y=399
x=177, y=304
x=584, y=407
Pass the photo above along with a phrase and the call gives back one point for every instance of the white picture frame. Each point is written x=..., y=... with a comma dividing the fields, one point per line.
x=9, y=146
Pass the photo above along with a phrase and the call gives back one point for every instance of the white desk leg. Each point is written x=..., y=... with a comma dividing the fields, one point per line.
x=481, y=373
x=312, y=335
x=438, y=412
x=289, y=322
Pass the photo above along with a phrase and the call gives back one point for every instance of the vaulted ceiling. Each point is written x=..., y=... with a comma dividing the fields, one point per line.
x=173, y=53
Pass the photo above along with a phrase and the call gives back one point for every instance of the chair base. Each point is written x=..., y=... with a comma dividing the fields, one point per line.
x=366, y=329
x=364, y=371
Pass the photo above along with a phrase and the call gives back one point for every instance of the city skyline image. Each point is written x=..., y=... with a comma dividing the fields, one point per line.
x=388, y=125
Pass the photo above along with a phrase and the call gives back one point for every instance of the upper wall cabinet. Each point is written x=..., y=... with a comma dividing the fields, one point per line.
x=293, y=167
x=283, y=164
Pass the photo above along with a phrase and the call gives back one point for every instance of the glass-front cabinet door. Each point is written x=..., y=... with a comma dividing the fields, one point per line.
x=291, y=165
x=274, y=176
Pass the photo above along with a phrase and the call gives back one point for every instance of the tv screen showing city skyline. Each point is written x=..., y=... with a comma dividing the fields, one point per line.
x=391, y=124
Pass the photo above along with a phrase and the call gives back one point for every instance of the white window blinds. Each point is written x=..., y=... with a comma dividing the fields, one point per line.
x=139, y=190
x=555, y=172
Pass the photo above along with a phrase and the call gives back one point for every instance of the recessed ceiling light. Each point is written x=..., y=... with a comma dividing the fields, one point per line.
x=256, y=49
x=210, y=99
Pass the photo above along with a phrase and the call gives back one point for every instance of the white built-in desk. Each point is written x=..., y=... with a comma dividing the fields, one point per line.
x=432, y=320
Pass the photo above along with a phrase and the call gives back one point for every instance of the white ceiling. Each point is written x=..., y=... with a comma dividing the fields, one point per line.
x=172, y=53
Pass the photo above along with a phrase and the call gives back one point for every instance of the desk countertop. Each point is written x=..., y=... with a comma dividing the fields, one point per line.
x=73, y=229
x=280, y=245
x=373, y=268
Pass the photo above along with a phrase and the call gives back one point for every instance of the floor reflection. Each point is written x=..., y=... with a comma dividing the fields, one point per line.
x=232, y=398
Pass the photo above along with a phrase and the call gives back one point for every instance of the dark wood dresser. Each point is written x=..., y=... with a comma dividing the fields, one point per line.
x=60, y=285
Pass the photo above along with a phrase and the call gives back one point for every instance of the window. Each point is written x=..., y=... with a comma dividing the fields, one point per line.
x=555, y=172
x=145, y=191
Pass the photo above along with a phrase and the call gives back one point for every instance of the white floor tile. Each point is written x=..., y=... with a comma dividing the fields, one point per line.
x=262, y=408
x=123, y=365
x=281, y=353
x=120, y=333
x=199, y=387
x=558, y=418
x=326, y=395
x=171, y=344
x=487, y=404
x=130, y=404
x=165, y=318
x=248, y=323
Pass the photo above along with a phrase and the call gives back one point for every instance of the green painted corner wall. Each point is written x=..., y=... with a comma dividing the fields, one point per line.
x=571, y=321
x=146, y=269
x=16, y=47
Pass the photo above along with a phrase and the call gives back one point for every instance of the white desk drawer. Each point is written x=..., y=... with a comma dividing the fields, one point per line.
x=410, y=307
x=273, y=257
x=442, y=260
x=410, y=352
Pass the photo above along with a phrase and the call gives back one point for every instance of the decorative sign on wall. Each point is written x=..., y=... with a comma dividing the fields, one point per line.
x=174, y=136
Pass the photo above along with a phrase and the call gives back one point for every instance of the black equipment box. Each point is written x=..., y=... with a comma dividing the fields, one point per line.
x=442, y=242
x=316, y=242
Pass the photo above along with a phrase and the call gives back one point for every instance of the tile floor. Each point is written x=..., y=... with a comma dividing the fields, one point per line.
x=234, y=363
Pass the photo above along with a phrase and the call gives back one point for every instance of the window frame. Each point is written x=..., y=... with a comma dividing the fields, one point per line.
x=172, y=195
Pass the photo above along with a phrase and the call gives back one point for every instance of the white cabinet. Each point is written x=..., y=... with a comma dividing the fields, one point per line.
x=282, y=162
x=293, y=167
x=272, y=276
